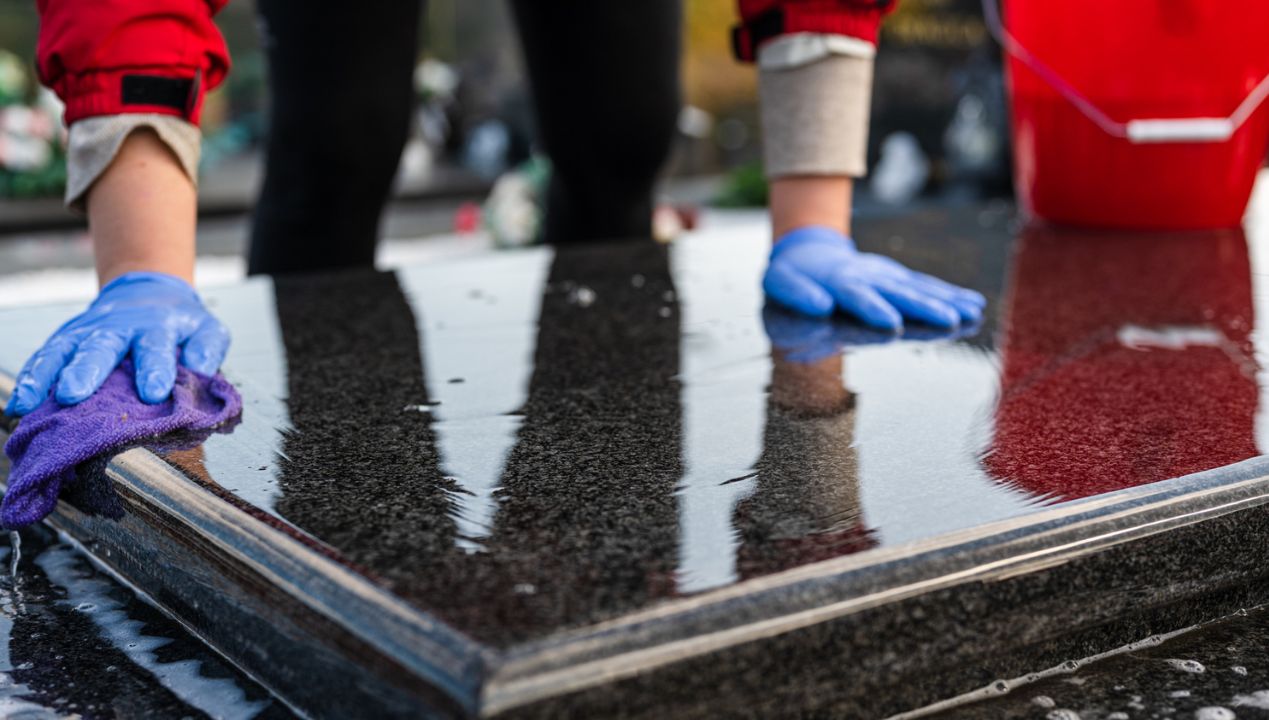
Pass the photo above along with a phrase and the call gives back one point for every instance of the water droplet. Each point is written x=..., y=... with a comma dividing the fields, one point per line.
x=1258, y=700
x=85, y=607
x=15, y=545
x=1043, y=701
x=581, y=296
x=1179, y=693
x=26, y=666
x=1189, y=666
x=665, y=312
x=1062, y=714
x=637, y=280
x=1239, y=670
x=1000, y=686
x=1214, y=713
x=525, y=589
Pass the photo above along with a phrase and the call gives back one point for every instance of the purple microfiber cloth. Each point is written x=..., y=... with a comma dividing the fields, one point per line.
x=53, y=442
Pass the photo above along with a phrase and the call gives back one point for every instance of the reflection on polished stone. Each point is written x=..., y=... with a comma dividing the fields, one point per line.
x=538, y=440
x=1127, y=359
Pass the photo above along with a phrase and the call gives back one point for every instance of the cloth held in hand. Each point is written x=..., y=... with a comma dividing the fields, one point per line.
x=53, y=440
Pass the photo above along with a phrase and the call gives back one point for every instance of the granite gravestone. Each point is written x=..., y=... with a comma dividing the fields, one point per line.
x=604, y=480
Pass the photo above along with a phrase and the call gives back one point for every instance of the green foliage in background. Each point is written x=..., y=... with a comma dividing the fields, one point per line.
x=746, y=186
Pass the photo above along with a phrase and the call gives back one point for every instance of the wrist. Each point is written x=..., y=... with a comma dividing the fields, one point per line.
x=820, y=235
x=140, y=277
x=142, y=212
x=807, y=201
x=108, y=273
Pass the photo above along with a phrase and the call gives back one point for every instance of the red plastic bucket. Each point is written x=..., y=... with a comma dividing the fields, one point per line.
x=1137, y=114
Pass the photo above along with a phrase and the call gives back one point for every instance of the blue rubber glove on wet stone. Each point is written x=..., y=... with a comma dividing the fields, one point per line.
x=806, y=339
x=815, y=270
x=152, y=315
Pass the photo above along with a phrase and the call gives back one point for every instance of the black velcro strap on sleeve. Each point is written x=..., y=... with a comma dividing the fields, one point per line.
x=156, y=90
x=766, y=26
x=746, y=38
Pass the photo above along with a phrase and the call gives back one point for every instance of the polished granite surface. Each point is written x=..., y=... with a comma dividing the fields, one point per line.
x=540, y=440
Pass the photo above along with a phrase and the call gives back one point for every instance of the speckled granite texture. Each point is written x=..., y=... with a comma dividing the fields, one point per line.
x=1216, y=671
x=581, y=482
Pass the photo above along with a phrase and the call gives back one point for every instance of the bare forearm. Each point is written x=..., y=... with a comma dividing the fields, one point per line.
x=142, y=212
x=799, y=201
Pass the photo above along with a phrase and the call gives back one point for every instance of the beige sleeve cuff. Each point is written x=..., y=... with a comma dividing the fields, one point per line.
x=815, y=116
x=95, y=141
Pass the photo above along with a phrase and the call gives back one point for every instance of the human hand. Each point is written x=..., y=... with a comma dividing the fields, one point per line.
x=803, y=339
x=814, y=270
x=151, y=314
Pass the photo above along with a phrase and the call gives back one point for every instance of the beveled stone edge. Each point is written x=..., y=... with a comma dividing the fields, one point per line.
x=488, y=682
x=817, y=593
x=428, y=647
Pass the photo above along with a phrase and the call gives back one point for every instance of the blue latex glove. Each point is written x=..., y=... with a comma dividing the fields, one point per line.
x=814, y=270
x=150, y=314
x=806, y=339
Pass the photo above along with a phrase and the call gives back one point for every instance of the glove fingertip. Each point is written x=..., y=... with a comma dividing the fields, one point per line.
x=69, y=395
x=944, y=317
x=154, y=392
x=74, y=387
x=969, y=313
x=816, y=307
x=882, y=318
x=155, y=385
x=797, y=293
x=200, y=362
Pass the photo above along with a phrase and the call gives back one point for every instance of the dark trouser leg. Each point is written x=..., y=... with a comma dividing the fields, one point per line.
x=341, y=83
x=605, y=79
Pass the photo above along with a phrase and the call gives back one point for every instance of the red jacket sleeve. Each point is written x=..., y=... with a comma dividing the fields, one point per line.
x=109, y=57
x=763, y=20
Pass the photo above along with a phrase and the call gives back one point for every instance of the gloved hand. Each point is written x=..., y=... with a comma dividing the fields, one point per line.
x=150, y=314
x=805, y=339
x=816, y=269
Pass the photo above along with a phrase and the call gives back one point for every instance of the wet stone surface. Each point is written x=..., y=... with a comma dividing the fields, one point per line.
x=1217, y=672
x=74, y=643
x=540, y=440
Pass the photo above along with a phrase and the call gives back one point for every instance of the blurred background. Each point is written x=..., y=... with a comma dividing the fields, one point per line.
x=938, y=131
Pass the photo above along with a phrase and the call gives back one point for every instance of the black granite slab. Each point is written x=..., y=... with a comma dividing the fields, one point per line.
x=585, y=482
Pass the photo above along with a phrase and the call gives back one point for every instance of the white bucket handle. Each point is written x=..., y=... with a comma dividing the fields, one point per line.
x=1153, y=130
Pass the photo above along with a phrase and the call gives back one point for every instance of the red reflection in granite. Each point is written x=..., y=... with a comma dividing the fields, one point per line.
x=1127, y=359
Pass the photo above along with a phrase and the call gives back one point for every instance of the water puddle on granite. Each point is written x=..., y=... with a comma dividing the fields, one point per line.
x=15, y=553
x=74, y=643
